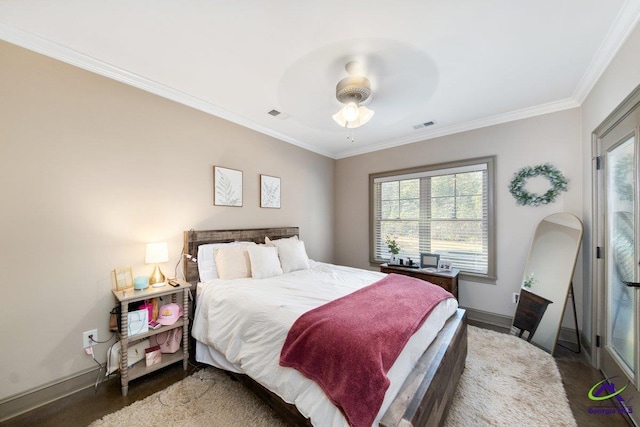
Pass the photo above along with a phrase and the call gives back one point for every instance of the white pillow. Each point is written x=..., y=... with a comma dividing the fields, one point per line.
x=232, y=262
x=206, y=261
x=293, y=256
x=264, y=261
x=270, y=242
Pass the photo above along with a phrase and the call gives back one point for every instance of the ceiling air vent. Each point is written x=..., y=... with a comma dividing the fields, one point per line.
x=424, y=125
x=278, y=114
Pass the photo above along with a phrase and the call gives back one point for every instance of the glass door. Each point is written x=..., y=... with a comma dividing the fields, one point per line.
x=621, y=263
x=618, y=320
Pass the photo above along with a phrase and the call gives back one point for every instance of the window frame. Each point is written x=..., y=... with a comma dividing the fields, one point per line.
x=491, y=233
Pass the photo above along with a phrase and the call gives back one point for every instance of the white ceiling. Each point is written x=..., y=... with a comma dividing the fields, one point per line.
x=463, y=64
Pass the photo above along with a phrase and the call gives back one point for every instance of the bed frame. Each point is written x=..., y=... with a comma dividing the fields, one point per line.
x=426, y=395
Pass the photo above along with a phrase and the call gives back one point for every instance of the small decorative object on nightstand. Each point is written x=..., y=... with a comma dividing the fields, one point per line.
x=157, y=253
x=394, y=249
x=447, y=280
x=127, y=296
x=429, y=261
x=123, y=278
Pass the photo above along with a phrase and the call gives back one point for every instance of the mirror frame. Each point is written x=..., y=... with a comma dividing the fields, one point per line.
x=570, y=221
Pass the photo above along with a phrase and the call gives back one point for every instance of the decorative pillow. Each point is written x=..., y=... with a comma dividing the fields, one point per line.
x=270, y=242
x=264, y=261
x=206, y=260
x=233, y=262
x=293, y=256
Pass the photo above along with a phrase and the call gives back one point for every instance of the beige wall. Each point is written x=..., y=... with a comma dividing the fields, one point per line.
x=619, y=80
x=553, y=138
x=563, y=138
x=91, y=170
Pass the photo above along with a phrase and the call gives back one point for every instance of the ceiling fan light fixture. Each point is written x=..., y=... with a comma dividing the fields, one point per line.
x=339, y=119
x=350, y=111
x=353, y=91
x=363, y=116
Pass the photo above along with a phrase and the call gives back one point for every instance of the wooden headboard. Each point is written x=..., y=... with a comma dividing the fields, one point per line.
x=195, y=238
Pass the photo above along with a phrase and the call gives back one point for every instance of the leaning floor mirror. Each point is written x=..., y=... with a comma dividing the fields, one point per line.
x=547, y=279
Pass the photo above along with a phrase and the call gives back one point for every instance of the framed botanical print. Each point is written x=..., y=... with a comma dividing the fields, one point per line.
x=227, y=187
x=269, y=191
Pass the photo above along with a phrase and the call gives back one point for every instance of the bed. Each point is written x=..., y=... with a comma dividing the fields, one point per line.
x=421, y=396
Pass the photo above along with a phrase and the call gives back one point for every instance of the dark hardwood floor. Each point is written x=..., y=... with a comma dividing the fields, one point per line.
x=86, y=406
x=578, y=376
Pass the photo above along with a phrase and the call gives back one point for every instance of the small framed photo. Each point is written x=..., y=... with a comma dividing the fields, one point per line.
x=444, y=265
x=429, y=260
x=269, y=191
x=227, y=187
x=123, y=278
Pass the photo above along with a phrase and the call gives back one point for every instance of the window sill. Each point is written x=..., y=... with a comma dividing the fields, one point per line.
x=479, y=278
x=470, y=277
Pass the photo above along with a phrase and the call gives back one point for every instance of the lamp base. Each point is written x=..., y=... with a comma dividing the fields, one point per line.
x=157, y=279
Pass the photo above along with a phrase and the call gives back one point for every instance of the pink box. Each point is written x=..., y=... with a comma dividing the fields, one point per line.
x=149, y=307
x=152, y=355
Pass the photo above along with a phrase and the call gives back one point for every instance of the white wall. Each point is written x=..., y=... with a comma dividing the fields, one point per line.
x=553, y=138
x=90, y=171
x=617, y=82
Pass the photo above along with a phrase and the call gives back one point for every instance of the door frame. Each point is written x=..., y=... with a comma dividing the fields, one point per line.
x=598, y=267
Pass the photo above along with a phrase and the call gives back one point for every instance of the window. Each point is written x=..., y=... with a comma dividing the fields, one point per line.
x=444, y=209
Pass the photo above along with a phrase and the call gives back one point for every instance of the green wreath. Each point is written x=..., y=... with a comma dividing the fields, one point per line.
x=523, y=197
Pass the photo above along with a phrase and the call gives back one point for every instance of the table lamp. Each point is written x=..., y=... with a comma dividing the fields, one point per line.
x=157, y=253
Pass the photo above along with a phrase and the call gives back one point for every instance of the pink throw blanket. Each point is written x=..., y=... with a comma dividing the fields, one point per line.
x=348, y=345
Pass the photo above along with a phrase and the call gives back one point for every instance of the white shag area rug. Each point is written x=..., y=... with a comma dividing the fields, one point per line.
x=507, y=382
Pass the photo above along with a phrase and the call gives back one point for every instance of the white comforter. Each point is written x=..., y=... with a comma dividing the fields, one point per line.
x=247, y=321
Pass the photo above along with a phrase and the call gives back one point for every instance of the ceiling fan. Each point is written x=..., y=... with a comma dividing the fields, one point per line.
x=353, y=91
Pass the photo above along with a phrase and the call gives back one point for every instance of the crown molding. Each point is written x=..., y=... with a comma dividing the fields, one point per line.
x=70, y=56
x=622, y=27
x=511, y=116
x=625, y=23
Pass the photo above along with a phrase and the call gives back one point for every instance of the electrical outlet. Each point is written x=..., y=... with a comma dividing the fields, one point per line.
x=516, y=295
x=86, y=341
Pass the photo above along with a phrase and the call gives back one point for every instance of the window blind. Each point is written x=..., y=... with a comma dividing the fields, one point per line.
x=443, y=211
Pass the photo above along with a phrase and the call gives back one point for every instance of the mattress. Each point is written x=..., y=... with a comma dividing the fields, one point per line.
x=240, y=325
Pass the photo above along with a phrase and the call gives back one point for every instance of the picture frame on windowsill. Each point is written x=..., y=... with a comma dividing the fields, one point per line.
x=444, y=265
x=429, y=261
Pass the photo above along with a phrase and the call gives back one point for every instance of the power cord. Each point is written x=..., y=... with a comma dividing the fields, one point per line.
x=175, y=270
x=102, y=342
x=183, y=254
x=101, y=366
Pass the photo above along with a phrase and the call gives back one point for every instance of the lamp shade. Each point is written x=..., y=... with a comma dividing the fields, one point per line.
x=345, y=117
x=350, y=112
x=156, y=253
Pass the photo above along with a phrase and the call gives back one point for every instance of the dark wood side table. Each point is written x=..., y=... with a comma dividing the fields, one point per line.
x=447, y=280
x=529, y=312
